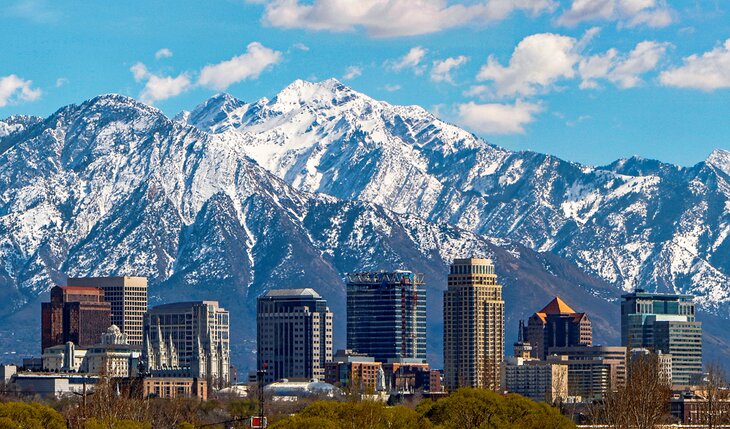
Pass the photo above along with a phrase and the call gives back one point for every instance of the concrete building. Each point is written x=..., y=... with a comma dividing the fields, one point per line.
x=294, y=333
x=664, y=323
x=76, y=314
x=538, y=380
x=191, y=338
x=593, y=370
x=664, y=363
x=175, y=387
x=112, y=357
x=386, y=315
x=473, y=325
x=557, y=325
x=128, y=299
x=52, y=385
x=355, y=371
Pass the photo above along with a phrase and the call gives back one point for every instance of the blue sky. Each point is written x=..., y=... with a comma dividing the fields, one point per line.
x=587, y=80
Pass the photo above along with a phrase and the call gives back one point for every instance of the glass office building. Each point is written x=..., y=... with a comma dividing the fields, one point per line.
x=386, y=315
x=666, y=323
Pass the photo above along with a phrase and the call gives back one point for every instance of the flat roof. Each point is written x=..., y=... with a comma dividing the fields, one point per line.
x=292, y=293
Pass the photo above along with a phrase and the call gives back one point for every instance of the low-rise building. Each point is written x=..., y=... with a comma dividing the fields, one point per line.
x=593, y=370
x=355, y=371
x=535, y=379
x=175, y=387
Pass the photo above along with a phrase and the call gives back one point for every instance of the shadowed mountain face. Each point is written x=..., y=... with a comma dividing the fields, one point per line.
x=340, y=183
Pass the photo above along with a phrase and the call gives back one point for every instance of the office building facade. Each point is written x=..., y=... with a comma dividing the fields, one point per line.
x=473, y=325
x=128, y=299
x=557, y=325
x=189, y=338
x=545, y=381
x=664, y=323
x=294, y=333
x=77, y=315
x=593, y=371
x=386, y=315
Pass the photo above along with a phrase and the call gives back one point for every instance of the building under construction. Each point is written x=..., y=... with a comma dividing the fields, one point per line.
x=386, y=315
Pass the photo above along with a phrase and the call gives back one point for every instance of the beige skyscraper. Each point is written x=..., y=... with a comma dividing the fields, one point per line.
x=473, y=325
x=128, y=297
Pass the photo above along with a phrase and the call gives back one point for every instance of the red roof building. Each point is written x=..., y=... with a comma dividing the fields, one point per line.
x=557, y=325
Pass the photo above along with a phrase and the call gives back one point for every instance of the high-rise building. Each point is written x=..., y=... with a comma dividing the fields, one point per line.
x=473, y=325
x=664, y=323
x=188, y=338
x=294, y=333
x=557, y=325
x=128, y=297
x=593, y=371
x=77, y=315
x=386, y=315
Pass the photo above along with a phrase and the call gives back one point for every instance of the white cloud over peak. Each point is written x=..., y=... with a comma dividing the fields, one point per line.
x=159, y=87
x=441, y=71
x=708, y=72
x=629, y=13
x=498, y=118
x=393, y=18
x=163, y=53
x=411, y=60
x=537, y=62
x=14, y=89
x=623, y=70
x=246, y=66
x=352, y=72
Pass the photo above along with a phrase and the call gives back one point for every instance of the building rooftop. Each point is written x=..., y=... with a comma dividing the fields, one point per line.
x=292, y=293
x=557, y=306
x=184, y=305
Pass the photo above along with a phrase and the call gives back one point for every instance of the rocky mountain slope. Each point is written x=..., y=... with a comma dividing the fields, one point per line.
x=632, y=223
x=114, y=187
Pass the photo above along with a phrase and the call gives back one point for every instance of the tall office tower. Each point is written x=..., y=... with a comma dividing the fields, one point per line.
x=386, y=315
x=557, y=325
x=128, y=297
x=473, y=325
x=294, y=332
x=664, y=323
x=79, y=315
x=188, y=336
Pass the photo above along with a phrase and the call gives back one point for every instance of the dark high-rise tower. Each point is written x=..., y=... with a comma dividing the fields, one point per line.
x=76, y=314
x=558, y=325
x=386, y=315
x=294, y=333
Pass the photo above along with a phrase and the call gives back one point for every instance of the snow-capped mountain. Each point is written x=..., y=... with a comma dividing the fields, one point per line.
x=633, y=223
x=114, y=187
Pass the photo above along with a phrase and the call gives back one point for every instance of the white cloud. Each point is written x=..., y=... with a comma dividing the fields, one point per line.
x=537, y=62
x=441, y=71
x=707, y=72
x=159, y=87
x=163, y=53
x=411, y=60
x=352, y=72
x=393, y=18
x=392, y=87
x=301, y=47
x=629, y=13
x=61, y=81
x=14, y=89
x=623, y=70
x=498, y=118
x=478, y=91
x=246, y=66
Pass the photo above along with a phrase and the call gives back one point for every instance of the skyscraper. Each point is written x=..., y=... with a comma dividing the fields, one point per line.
x=473, y=325
x=664, y=323
x=192, y=337
x=294, y=333
x=79, y=315
x=128, y=297
x=386, y=315
x=557, y=325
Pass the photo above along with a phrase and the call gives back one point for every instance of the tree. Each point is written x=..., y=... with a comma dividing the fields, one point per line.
x=18, y=415
x=714, y=408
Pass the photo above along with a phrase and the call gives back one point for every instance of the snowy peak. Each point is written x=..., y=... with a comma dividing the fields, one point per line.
x=719, y=159
x=324, y=94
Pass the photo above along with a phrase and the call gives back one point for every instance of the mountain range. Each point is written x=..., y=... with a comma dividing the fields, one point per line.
x=234, y=198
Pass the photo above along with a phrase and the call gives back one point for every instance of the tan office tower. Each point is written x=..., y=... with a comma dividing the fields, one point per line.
x=128, y=297
x=473, y=325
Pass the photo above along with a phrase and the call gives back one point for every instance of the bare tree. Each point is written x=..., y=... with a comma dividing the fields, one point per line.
x=714, y=405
